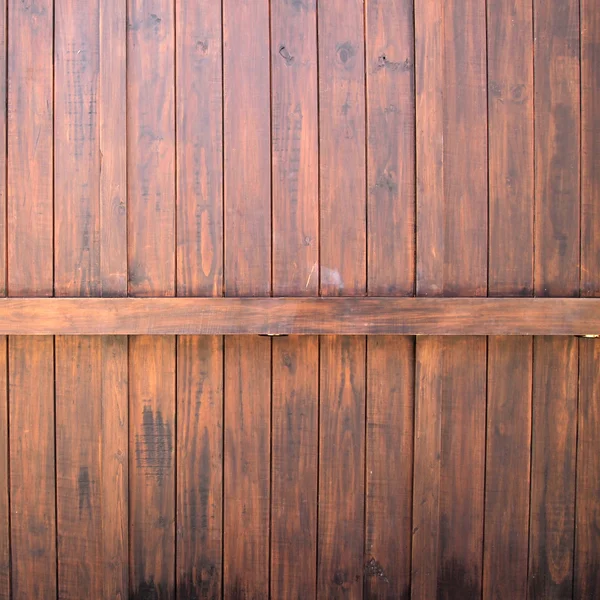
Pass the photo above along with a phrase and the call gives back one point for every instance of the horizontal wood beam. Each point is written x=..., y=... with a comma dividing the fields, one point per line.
x=344, y=316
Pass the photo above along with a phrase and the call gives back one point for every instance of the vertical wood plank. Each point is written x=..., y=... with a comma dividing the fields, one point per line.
x=557, y=144
x=390, y=393
x=152, y=468
x=295, y=162
x=199, y=96
x=390, y=146
x=587, y=540
x=4, y=477
x=247, y=149
x=511, y=158
x=342, y=148
x=30, y=159
x=507, y=467
x=3, y=134
x=32, y=481
x=341, y=467
x=199, y=466
x=590, y=147
x=551, y=533
x=247, y=467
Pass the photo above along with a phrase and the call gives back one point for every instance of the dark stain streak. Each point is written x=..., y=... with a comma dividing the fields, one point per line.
x=289, y=59
x=203, y=586
x=154, y=446
x=84, y=490
x=148, y=590
x=387, y=182
x=374, y=569
x=202, y=47
x=384, y=63
x=455, y=582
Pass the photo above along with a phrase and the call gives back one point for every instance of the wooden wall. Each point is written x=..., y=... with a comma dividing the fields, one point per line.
x=256, y=148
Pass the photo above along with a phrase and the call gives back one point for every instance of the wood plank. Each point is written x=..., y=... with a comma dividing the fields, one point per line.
x=557, y=144
x=30, y=149
x=449, y=467
x=552, y=525
x=295, y=148
x=342, y=148
x=294, y=449
x=390, y=405
x=247, y=148
x=199, y=97
x=4, y=476
x=341, y=467
x=3, y=136
x=587, y=526
x=590, y=148
x=390, y=147
x=32, y=478
x=307, y=316
x=199, y=466
x=511, y=155
x=247, y=467
x=151, y=147
x=152, y=467
x=507, y=467
x=451, y=175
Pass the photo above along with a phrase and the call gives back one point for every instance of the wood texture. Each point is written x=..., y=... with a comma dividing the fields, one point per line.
x=557, y=144
x=152, y=466
x=247, y=467
x=449, y=467
x=247, y=148
x=552, y=525
x=199, y=466
x=3, y=148
x=341, y=468
x=4, y=476
x=199, y=97
x=587, y=524
x=32, y=477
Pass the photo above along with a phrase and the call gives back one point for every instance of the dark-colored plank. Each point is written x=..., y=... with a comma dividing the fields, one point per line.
x=4, y=477
x=507, y=467
x=341, y=468
x=391, y=147
x=308, y=316
x=247, y=128
x=587, y=530
x=590, y=147
x=199, y=466
x=295, y=412
x=342, y=148
x=511, y=157
x=151, y=147
x=449, y=467
x=295, y=148
x=29, y=183
x=247, y=467
x=551, y=536
x=557, y=147
x=390, y=393
x=32, y=480
x=451, y=174
x=199, y=149
x=152, y=466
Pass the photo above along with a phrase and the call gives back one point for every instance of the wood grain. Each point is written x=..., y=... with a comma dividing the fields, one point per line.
x=4, y=476
x=449, y=467
x=199, y=96
x=294, y=449
x=247, y=148
x=342, y=148
x=553, y=468
x=294, y=138
x=557, y=144
x=199, y=466
x=587, y=524
x=152, y=466
x=390, y=147
x=247, y=467
x=389, y=448
x=32, y=478
x=3, y=136
x=30, y=149
x=590, y=148
x=341, y=467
